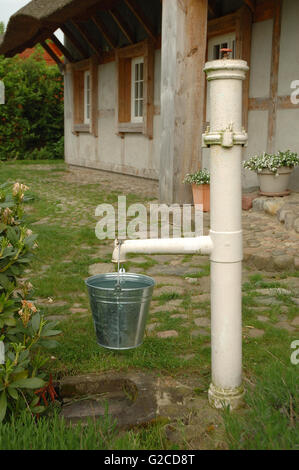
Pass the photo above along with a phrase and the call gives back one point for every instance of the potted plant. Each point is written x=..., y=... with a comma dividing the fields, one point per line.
x=273, y=171
x=200, y=181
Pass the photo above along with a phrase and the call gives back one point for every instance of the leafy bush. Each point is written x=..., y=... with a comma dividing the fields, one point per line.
x=32, y=119
x=200, y=177
x=22, y=329
x=271, y=162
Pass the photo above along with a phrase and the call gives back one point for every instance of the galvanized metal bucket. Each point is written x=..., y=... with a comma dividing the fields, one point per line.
x=120, y=314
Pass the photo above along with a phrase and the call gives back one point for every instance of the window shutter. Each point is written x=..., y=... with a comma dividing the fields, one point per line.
x=124, y=90
x=78, y=84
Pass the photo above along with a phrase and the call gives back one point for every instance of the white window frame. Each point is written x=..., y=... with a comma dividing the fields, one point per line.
x=229, y=39
x=87, y=97
x=134, y=118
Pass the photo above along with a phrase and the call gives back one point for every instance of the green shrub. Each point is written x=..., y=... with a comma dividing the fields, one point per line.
x=22, y=329
x=32, y=119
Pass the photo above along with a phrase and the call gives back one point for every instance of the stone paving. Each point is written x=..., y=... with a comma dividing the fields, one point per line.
x=271, y=237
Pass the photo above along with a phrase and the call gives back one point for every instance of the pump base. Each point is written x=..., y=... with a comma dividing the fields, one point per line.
x=220, y=398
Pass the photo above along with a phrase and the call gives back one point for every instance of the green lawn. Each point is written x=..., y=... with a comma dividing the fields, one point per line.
x=64, y=213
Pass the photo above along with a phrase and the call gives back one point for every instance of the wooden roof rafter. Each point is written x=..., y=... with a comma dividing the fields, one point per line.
x=141, y=17
x=88, y=38
x=123, y=25
x=111, y=41
x=75, y=42
x=62, y=48
x=52, y=54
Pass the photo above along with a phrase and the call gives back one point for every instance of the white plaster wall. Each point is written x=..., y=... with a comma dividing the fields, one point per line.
x=287, y=128
x=261, y=50
x=289, y=50
x=133, y=154
x=257, y=143
x=287, y=137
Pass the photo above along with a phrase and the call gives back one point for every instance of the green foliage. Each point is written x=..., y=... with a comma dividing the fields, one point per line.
x=272, y=162
x=31, y=121
x=2, y=27
x=199, y=177
x=23, y=329
x=272, y=420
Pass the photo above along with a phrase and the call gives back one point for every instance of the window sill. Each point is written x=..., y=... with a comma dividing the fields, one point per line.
x=81, y=128
x=131, y=127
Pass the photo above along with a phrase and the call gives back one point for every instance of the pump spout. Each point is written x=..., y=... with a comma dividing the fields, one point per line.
x=171, y=246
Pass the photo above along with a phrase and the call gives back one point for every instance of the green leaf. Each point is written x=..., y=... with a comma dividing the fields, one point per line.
x=38, y=409
x=51, y=333
x=29, y=383
x=13, y=393
x=35, y=322
x=3, y=406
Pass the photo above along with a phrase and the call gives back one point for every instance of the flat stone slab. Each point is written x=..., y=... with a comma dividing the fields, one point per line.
x=168, y=290
x=101, y=268
x=133, y=399
x=295, y=322
x=168, y=334
x=130, y=398
x=262, y=318
x=196, y=333
x=197, y=299
x=78, y=310
x=205, y=322
x=283, y=325
x=168, y=269
x=255, y=333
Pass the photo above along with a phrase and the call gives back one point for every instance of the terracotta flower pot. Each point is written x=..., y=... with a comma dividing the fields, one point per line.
x=201, y=195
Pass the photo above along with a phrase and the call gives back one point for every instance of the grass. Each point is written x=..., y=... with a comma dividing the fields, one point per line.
x=271, y=420
x=53, y=433
x=65, y=215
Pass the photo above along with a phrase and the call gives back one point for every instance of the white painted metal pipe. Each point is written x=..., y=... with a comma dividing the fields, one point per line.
x=195, y=245
x=225, y=138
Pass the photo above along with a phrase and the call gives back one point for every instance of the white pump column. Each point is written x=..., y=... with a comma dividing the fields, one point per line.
x=225, y=137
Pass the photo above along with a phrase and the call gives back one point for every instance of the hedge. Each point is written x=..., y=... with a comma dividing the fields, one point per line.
x=32, y=119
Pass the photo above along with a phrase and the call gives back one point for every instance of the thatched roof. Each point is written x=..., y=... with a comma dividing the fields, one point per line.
x=31, y=23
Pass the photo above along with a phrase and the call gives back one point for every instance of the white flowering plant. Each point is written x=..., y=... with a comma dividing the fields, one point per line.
x=198, y=178
x=272, y=162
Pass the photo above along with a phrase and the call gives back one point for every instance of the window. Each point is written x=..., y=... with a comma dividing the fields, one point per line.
x=85, y=96
x=137, y=89
x=87, y=105
x=227, y=41
x=135, y=97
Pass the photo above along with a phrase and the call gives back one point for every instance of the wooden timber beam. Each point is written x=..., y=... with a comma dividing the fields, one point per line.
x=244, y=22
x=141, y=17
x=75, y=42
x=104, y=31
x=184, y=38
x=274, y=76
x=251, y=4
x=87, y=38
x=62, y=48
x=52, y=54
x=123, y=26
